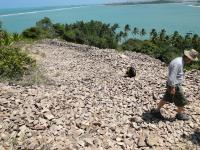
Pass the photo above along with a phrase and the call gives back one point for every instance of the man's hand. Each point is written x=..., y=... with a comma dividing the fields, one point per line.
x=173, y=90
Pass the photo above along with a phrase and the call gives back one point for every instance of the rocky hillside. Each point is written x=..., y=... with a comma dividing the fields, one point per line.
x=88, y=103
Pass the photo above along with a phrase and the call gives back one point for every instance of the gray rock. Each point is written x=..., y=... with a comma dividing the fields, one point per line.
x=141, y=141
x=33, y=144
x=4, y=136
x=48, y=116
x=137, y=119
x=152, y=140
x=2, y=148
x=88, y=142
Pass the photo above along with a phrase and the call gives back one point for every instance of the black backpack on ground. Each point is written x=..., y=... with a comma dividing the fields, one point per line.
x=131, y=72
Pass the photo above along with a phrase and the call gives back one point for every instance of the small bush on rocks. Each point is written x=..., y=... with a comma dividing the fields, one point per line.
x=14, y=63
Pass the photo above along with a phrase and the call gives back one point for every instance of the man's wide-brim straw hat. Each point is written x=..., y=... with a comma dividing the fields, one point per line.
x=191, y=54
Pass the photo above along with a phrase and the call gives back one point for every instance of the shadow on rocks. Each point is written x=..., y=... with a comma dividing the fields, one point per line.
x=149, y=118
x=194, y=137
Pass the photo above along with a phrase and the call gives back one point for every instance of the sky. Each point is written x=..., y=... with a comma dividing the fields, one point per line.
x=40, y=3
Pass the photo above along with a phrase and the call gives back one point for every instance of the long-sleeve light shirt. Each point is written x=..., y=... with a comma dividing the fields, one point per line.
x=176, y=74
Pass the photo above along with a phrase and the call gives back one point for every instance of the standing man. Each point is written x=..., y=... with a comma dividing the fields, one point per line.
x=174, y=93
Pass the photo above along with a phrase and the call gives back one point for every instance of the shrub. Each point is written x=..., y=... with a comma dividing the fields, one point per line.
x=169, y=54
x=14, y=63
x=59, y=29
x=33, y=33
x=132, y=45
x=6, y=38
x=150, y=48
x=69, y=36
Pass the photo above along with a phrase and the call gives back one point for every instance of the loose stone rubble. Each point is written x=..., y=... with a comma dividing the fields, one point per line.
x=91, y=105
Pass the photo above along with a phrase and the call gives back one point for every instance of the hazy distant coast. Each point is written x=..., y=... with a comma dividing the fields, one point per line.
x=194, y=2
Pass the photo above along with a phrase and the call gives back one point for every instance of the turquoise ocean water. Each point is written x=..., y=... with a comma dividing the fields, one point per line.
x=181, y=17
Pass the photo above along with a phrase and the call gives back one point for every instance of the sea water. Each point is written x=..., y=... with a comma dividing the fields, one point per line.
x=172, y=17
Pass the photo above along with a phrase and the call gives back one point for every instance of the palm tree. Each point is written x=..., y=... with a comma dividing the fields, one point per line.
x=162, y=35
x=127, y=28
x=114, y=27
x=195, y=37
x=195, y=41
x=143, y=32
x=103, y=29
x=153, y=34
x=188, y=41
x=188, y=37
x=177, y=40
x=167, y=38
x=67, y=27
x=180, y=42
x=119, y=36
x=125, y=34
x=175, y=35
x=135, y=31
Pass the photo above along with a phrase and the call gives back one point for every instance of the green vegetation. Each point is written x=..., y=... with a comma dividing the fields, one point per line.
x=13, y=62
x=162, y=46
x=95, y=33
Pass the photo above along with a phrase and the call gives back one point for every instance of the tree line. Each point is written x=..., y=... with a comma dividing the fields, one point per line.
x=159, y=44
